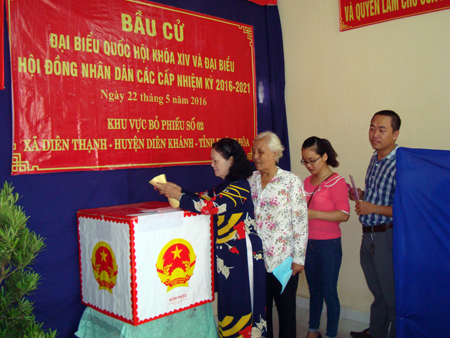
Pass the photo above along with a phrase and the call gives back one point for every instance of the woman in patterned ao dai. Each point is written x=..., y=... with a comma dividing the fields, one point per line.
x=282, y=223
x=239, y=256
x=328, y=205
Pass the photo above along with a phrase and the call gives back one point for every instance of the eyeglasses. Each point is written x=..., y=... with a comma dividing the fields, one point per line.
x=310, y=162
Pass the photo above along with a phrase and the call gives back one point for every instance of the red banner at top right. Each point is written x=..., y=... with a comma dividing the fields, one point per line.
x=359, y=13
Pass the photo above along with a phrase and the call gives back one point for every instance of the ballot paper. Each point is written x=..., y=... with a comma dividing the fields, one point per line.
x=355, y=190
x=162, y=179
x=283, y=272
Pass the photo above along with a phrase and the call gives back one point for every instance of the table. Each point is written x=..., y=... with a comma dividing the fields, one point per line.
x=197, y=322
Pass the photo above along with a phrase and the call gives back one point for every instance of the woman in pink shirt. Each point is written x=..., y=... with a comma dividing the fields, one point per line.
x=328, y=206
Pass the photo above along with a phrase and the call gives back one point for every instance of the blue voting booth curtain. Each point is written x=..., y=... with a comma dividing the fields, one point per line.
x=52, y=200
x=422, y=243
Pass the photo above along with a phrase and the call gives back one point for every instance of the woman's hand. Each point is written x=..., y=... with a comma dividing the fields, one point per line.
x=297, y=268
x=311, y=214
x=169, y=189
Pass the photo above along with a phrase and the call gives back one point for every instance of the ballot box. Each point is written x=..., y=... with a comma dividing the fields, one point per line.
x=144, y=261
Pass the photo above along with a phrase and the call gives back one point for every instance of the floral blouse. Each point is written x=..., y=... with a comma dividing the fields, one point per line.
x=281, y=217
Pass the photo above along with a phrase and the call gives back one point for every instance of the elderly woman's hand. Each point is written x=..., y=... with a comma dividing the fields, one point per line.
x=169, y=189
x=297, y=268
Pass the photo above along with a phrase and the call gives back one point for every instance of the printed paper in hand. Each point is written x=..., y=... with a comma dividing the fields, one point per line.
x=283, y=272
x=355, y=190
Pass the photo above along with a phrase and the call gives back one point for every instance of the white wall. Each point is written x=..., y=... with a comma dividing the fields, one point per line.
x=336, y=81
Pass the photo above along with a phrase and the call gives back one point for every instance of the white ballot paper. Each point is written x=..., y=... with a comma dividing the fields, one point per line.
x=162, y=179
x=283, y=272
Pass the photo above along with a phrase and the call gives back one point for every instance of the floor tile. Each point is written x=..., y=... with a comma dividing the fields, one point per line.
x=345, y=325
x=302, y=314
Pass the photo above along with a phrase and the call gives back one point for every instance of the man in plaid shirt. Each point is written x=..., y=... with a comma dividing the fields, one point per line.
x=374, y=208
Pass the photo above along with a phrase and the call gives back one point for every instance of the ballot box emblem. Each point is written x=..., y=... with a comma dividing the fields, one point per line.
x=104, y=266
x=176, y=263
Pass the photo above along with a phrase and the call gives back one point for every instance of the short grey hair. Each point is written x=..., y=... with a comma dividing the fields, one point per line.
x=273, y=142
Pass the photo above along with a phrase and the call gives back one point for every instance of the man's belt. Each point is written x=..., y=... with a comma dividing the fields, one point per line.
x=378, y=228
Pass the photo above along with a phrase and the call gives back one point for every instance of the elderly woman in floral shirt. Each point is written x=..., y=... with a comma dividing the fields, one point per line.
x=282, y=223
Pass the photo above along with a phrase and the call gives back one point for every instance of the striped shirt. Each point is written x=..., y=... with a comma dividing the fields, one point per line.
x=380, y=187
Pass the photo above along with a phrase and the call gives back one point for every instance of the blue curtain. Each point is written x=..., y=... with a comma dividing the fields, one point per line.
x=422, y=243
x=52, y=200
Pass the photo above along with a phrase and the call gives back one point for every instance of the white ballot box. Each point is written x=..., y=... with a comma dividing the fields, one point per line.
x=144, y=261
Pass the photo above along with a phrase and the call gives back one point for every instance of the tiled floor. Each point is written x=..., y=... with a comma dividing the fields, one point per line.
x=345, y=325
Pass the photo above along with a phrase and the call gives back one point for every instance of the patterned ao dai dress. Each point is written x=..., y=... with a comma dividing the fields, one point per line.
x=240, y=271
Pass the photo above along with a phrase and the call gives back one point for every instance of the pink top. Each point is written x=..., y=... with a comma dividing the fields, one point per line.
x=330, y=196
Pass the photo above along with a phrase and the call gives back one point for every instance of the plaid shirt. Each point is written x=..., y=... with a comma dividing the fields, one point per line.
x=380, y=187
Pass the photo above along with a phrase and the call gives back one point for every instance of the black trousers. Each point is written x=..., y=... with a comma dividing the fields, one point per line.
x=285, y=304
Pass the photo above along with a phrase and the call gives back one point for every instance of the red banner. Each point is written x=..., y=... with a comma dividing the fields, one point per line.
x=100, y=85
x=265, y=2
x=359, y=13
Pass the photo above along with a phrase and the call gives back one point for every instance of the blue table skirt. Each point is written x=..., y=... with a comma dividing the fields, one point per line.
x=196, y=322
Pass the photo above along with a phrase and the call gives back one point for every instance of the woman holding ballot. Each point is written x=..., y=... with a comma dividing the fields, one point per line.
x=282, y=223
x=327, y=196
x=238, y=249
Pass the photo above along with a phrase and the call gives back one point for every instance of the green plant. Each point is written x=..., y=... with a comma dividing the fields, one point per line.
x=18, y=249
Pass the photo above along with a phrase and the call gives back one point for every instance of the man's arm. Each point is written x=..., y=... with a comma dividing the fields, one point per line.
x=351, y=194
x=365, y=208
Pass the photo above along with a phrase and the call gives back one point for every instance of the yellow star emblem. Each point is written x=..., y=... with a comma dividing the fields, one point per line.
x=104, y=255
x=176, y=253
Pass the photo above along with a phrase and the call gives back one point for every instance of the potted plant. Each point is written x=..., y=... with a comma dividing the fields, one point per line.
x=18, y=250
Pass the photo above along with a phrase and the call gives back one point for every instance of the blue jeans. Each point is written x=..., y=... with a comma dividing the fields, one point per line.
x=322, y=265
